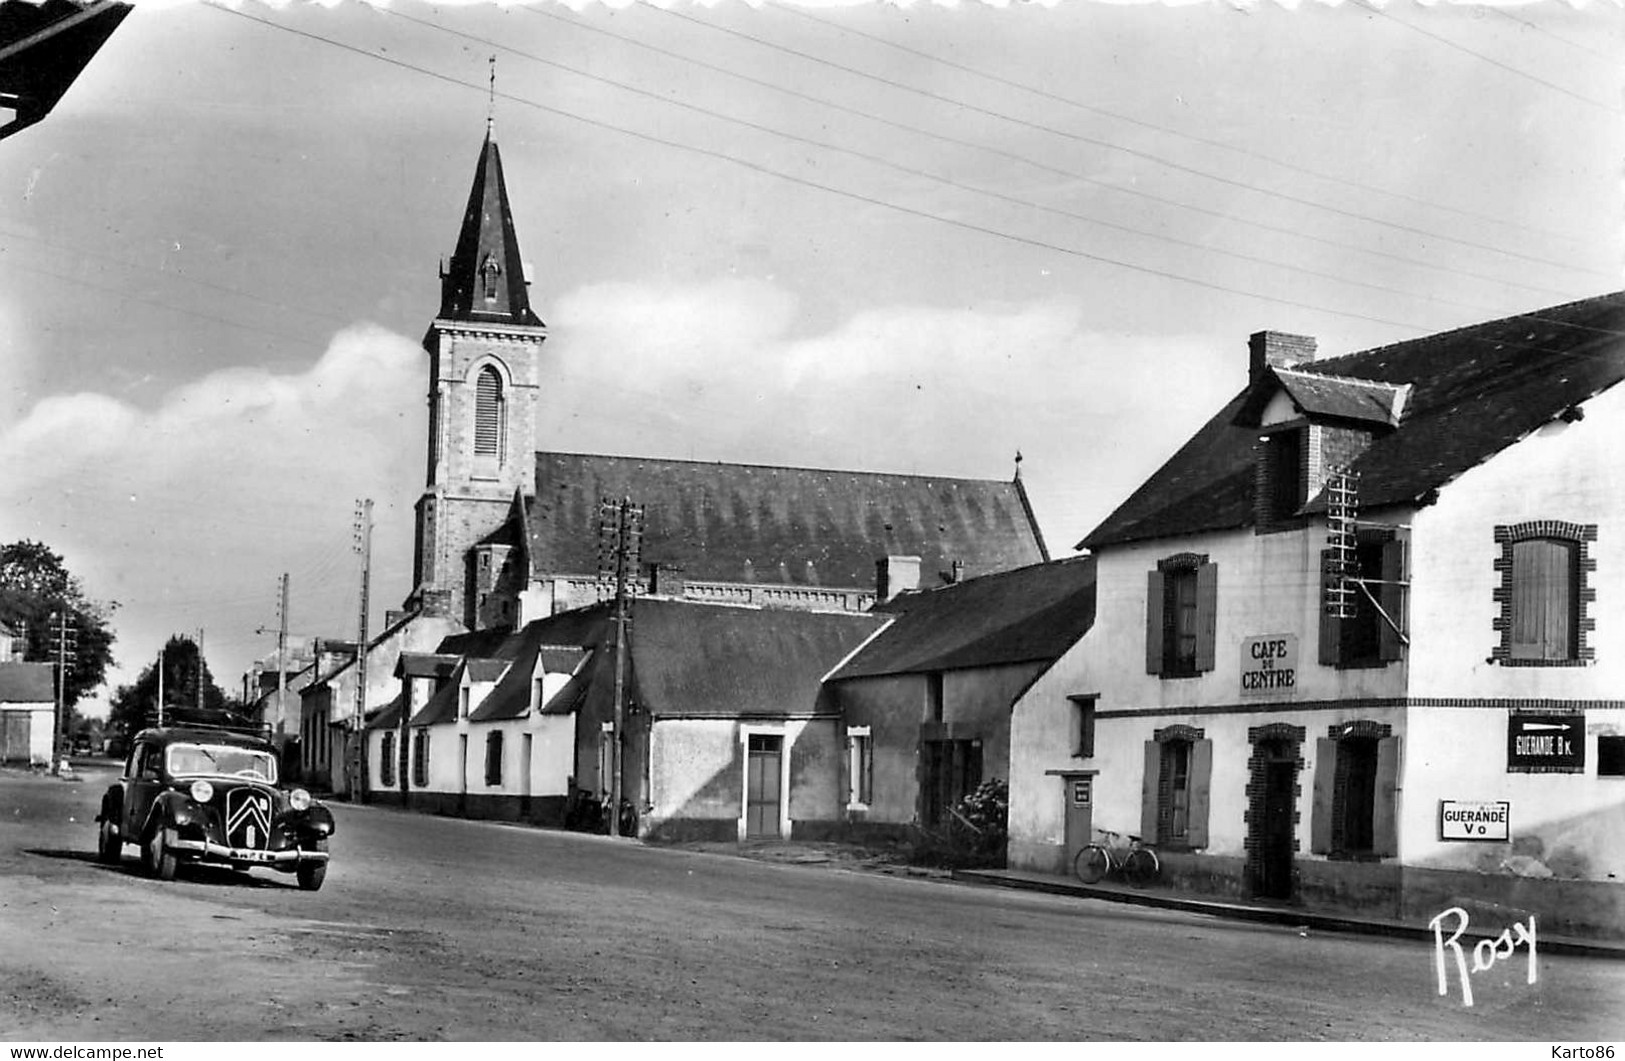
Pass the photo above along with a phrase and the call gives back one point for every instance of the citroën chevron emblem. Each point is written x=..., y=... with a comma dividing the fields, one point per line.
x=248, y=818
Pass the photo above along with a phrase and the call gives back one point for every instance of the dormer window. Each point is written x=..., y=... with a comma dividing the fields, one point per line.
x=1283, y=474
x=490, y=272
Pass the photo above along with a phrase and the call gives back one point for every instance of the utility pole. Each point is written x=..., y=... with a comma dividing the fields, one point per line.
x=363, y=545
x=200, y=668
x=66, y=654
x=620, y=530
x=160, y=687
x=281, y=661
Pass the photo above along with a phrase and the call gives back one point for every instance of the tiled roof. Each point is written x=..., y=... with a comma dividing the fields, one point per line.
x=425, y=665
x=1030, y=615
x=561, y=641
x=798, y=526
x=26, y=683
x=690, y=658
x=1325, y=398
x=1475, y=391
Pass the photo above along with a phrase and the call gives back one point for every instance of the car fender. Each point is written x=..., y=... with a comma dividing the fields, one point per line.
x=318, y=822
x=174, y=810
x=112, y=803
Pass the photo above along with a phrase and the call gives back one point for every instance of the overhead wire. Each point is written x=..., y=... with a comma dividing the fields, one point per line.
x=1543, y=31
x=842, y=192
x=1135, y=152
x=1205, y=141
x=1292, y=233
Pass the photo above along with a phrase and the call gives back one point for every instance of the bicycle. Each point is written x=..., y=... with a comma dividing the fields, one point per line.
x=1137, y=863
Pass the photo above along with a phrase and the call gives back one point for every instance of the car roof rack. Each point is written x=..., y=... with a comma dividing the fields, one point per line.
x=214, y=719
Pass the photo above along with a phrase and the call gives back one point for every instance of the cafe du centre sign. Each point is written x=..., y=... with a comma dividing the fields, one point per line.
x=1269, y=664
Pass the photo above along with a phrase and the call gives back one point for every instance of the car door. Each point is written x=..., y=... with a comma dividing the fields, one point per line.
x=142, y=782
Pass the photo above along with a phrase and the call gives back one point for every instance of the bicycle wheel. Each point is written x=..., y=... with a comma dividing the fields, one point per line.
x=1091, y=863
x=1141, y=867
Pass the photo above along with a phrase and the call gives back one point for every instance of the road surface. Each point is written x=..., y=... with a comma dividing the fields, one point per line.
x=437, y=929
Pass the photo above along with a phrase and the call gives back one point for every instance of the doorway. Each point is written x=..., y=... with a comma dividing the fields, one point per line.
x=764, y=763
x=1275, y=771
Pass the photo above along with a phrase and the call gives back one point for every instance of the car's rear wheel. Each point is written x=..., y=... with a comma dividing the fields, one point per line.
x=311, y=874
x=109, y=846
x=161, y=861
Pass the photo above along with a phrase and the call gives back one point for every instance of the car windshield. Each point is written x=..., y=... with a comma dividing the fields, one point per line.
x=221, y=760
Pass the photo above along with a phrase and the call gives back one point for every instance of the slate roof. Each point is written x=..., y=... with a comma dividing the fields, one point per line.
x=1033, y=614
x=425, y=665
x=561, y=641
x=798, y=526
x=26, y=683
x=690, y=658
x=1334, y=398
x=388, y=716
x=1475, y=391
x=487, y=240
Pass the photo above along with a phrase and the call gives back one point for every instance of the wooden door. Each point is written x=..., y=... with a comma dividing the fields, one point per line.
x=14, y=736
x=763, y=775
x=1275, y=850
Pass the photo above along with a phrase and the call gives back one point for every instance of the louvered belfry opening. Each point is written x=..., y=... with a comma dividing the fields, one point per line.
x=488, y=419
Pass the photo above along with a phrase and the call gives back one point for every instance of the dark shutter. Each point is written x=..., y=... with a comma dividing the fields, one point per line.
x=1392, y=597
x=1320, y=814
x=1153, y=622
x=1331, y=627
x=1207, y=616
x=1148, y=790
x=1200, y=775
x=1385, y=806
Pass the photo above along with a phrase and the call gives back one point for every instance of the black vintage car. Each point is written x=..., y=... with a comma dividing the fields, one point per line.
x=209, y=794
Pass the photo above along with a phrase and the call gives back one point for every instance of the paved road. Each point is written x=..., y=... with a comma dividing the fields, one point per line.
x=431, y=928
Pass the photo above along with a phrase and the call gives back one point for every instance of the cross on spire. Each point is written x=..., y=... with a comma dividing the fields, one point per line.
x=491, y=103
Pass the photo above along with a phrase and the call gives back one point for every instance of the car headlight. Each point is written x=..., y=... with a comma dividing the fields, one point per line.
x=299, y=799
x=202, y=791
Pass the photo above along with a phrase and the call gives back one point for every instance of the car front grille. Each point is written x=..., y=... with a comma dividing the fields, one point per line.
x=248, y=818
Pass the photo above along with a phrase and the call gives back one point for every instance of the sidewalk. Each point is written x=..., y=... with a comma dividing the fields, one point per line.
x=1264, y=913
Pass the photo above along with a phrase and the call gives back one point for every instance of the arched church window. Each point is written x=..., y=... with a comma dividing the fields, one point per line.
x=489, y=413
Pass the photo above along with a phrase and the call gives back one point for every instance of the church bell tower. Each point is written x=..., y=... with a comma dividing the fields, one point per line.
x=484, y=350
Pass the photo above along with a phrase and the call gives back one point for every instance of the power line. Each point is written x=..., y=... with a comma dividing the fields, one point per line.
x=913, y=172
x=1447, y=42
x=844, y=193
x=1509, y=16
x=1025, y=160
x=1153, y=126
x=1148, y=156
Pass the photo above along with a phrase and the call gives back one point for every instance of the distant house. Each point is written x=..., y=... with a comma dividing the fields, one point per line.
x=728, y=732
x=27, y=713
x=925, y=704
x=1358, y=641
x=331, y=720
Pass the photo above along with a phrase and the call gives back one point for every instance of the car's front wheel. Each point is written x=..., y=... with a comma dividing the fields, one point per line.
x=109, y=845
x=161, y=861
x=311, y=874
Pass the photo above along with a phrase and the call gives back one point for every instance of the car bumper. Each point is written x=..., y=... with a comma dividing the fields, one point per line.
x=220, y=852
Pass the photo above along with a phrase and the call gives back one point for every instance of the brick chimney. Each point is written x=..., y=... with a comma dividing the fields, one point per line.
x=1277, y=350
x=894, y=575
x=666, y=580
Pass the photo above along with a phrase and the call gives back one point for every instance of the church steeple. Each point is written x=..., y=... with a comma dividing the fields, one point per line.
x=486, y=280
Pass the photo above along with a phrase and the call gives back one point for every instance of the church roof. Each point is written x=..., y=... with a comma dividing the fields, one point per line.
x=797, y=526
x=485, y=281
x=1030, y=615
x=1474, y=392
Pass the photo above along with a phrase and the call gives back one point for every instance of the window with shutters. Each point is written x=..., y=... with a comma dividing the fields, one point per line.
x=386, y=761
x=420, y=758
x=1372, y=636
x=1544, y=594
x=489, y=414
x=1354, y=808
x=1181, y=616
x=1174, y=793
x=493, y=758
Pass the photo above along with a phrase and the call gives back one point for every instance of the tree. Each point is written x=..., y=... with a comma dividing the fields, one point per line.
x=134, y=706
x=35, y=589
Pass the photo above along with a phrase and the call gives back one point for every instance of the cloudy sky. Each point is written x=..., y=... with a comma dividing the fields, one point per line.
x=909, y=238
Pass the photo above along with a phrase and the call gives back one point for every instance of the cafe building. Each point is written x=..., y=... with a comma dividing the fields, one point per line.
x=1359, y=643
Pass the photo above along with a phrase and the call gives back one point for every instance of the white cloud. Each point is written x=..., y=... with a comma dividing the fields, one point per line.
x=187, y=513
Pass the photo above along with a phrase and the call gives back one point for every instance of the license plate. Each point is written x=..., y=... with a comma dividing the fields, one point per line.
x=252, y=856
